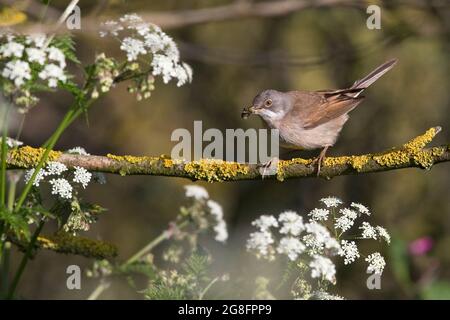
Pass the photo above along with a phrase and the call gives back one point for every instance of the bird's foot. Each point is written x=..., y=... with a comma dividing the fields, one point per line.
x=269, y=168
x=319, y=161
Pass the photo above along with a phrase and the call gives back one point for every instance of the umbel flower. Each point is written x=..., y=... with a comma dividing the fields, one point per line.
x=315, y=242
x=147, y=46
x=206, y=213
x=29, y=63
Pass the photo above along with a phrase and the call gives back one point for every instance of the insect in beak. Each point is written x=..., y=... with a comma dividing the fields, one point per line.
x=246, y=112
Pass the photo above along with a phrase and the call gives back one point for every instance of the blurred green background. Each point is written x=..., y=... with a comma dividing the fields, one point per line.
x=233, y=60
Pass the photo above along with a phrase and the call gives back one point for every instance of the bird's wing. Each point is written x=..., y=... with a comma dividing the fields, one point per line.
x=316, y=108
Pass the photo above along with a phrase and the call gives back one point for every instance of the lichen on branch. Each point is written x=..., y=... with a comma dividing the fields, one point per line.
x=411, y=154
x=63, y=242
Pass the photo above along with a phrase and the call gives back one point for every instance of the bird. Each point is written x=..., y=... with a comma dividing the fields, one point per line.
x=309, y=120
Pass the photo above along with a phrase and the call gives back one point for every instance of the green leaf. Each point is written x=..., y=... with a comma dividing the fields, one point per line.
x=66, y=44
x=16, y=222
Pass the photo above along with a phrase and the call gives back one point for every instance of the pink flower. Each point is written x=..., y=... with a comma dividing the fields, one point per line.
x=420, y=246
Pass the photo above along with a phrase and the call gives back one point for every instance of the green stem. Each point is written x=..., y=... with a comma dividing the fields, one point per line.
x=202, y=294
x=11, y=194
x=24, y=260
x=5, y=268
x=151, y=245
x=4, y=150
x=52, y=141
x=98, y=291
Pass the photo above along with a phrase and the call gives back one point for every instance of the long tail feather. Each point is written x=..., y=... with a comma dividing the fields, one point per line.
x=374, y=75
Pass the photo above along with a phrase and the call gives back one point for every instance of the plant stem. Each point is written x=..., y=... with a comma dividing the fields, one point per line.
x=11, y=194
x=202, y=294
x=24, y=260
x=151, y=245
x=5, y=268
x=4, y=150
x=52, y=141
x=98, y=290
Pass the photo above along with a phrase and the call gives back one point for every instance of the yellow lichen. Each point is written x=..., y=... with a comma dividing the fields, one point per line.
x=28, y=157
x=392, y=158
x=411, y=150
x=213, y=170
x=358, y=162
x=130, y=159
x=418, y=143
x=67, y=243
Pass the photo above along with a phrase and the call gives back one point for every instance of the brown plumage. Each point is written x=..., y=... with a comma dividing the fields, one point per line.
x=311, y=119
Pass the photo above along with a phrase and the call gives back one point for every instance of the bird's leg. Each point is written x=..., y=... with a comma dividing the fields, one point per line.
x=320, y=159
x=269, y=168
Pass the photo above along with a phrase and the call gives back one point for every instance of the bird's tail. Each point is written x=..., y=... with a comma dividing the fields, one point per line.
x=373, y=76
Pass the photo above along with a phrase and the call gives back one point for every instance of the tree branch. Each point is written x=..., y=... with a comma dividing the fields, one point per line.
x=411, y=154
x=66, y=243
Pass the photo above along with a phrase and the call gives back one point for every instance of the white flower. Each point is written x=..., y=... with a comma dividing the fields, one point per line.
x=368, y=232
x=324, y=268
x=38, y=39
x=331, y=202
x=292, y=223
x=290, y=246
x=382, y=232
x=82, y=176
x=62, y=188
x=12, y=49
x=319, y=214
x=154, y=42
x=196, y=192
x=319, y=238
x=130, y=18
x=53, y=73
x=12, y=143
x=17, y=70
x=361, y=208
x=221, y=227
x=349, y=251
x=36, y=55
x=133, y=48
x=39, y=177
x=344, y=223
x=221, y=231
x=376, y=263
x=260, y=242
x=164, y=66
x=78, y=150
x=110, y=27
x=351, y=214
x=264, y=222
x=55, y=168
x=57, y=55
x=215, y=209
x=346, y=220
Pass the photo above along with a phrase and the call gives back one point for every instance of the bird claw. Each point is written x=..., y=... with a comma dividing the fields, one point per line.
x=319, y=160
x=269, y=168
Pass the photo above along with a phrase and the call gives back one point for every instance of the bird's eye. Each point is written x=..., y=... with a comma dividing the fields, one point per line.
x=268, y=102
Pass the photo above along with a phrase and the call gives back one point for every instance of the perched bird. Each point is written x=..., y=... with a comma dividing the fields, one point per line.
x=309, y=120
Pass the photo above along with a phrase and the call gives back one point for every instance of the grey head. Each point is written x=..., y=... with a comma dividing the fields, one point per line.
x=270, y=105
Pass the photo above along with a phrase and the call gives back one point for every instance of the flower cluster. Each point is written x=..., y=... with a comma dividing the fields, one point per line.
x=144, y=42
x=27, y=59
x=317, y=240
x=61, y=179
x=206, y=213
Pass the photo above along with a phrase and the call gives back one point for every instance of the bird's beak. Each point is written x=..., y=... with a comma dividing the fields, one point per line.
x=246, y=112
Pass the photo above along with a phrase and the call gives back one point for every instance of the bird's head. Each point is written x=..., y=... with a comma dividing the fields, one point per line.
x=271, y=105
